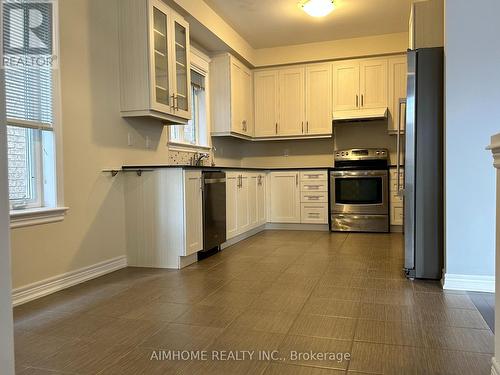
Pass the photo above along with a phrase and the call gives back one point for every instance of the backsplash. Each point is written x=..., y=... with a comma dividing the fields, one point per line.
x=184, y=158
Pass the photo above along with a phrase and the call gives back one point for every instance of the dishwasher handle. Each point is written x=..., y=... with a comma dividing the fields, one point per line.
x=209, y=181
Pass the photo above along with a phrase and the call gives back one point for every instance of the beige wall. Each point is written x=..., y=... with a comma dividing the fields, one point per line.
x=95, y=138
x=332, y=50
x=6, y=326
x=318, y=152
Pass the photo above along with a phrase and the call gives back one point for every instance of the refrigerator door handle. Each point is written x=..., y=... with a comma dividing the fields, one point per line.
x=402, y=103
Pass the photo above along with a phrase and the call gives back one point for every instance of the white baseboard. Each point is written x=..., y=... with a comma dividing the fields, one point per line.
x=495, y=367
x=243, y=236
x=470, y=283
x=285, y=226
x=54, y=284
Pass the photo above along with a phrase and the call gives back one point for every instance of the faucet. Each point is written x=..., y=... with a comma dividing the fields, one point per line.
x=198, y=158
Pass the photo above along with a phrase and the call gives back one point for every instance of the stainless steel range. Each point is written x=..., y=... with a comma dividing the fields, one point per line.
x=359, y=191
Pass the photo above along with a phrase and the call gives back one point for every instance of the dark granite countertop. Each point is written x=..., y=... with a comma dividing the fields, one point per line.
x=161, y=166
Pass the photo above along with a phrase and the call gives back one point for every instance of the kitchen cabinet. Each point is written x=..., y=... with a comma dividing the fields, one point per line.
x=261, y=199
x=318, y=99
x=292, y=100
x=154, y=75
x=193, y=216
x=426, y=25
x=346, y=85
x=359, y=84
x=266, y=89
x=232, y=186
x=373, y=83
x=396, y=202
x=243, y=207
x=231, y=97
x=314, y=197
x=284, y=197
x=397, y=91
x=244, y=202
x=164, y=221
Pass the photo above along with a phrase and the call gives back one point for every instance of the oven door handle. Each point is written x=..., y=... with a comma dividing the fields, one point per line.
x=359, y=174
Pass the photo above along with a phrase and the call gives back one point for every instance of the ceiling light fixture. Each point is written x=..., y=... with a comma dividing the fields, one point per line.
x=317, y=8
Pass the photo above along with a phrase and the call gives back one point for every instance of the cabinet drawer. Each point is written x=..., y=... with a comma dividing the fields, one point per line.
x=314, y=175
x=394, y=185
x=312, y=213
x=321, y=196
x=397, y=215
x=313, y=185
x=396, y=200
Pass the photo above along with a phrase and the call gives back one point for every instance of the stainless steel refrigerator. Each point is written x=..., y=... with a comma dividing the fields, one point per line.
x=423, y=164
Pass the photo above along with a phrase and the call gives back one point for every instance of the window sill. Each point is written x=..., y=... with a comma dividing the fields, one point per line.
x=36, y=216
x=187, y=147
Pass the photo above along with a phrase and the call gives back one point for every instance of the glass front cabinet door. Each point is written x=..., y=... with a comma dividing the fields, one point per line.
x=181, y=67
x=154, y=62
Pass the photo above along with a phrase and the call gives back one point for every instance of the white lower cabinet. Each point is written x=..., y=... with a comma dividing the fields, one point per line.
x=314, y=213
x=299, y=197
x=245, y=202
x=396, y=201
x=284, y=197
x=314, y=197
x=163, y=218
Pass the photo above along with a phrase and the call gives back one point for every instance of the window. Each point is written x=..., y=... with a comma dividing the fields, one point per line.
x=195, y=133
x=31, y=90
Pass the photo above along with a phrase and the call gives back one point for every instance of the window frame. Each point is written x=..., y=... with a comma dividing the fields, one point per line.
x=49, y=151
x=199, y=63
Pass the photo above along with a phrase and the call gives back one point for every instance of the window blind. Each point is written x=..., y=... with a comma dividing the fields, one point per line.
x=197, y=80
x=28, y=89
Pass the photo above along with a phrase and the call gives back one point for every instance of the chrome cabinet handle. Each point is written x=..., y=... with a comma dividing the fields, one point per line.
x=357, y=101
x=362, y=100
x=172, y=106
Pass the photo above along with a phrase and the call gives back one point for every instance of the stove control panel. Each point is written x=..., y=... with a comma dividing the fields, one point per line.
x=362, y=154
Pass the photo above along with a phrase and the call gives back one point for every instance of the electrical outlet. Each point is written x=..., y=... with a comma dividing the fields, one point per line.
x=130, y=139
x=148, y=142
x=286, y=152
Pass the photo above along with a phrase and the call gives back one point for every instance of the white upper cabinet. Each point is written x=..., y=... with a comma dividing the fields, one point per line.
x=359, y=84
x=266, y=89
x=292, y=100
x=373, y=83
x=346, y=85
x=154, y=61
x=397, y=91
x=426, y=25
x=231, y=97
x=318, y=99
x=181, y=67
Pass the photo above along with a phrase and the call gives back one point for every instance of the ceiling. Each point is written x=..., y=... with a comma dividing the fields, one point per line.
x=272, y=23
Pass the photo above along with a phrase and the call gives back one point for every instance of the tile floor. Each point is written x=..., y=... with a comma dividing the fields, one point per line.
x=295, y=292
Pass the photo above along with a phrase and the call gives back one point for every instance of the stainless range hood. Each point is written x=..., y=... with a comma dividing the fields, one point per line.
x=360, y=115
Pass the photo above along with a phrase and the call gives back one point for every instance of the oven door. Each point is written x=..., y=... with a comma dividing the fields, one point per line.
x=359, y=192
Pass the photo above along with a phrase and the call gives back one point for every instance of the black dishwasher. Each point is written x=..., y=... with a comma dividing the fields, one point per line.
x=214, y=212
